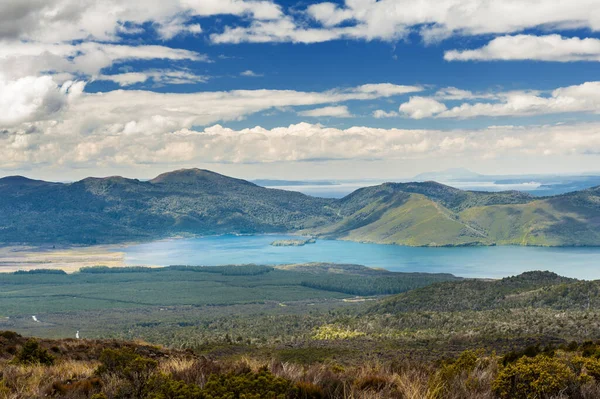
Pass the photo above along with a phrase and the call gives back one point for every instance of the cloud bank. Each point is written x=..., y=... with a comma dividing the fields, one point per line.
x=578, y=98
x=294, y=143
x=530, y=47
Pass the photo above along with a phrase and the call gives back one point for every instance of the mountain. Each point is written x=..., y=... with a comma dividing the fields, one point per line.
x=452, y=174
x=432, y=214
x=194, y=201
x=116, y=209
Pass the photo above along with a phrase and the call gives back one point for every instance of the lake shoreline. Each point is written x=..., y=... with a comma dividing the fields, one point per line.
x=468, y=262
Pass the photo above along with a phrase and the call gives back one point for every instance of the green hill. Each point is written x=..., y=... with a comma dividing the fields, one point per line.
x=431, y=214
x=116, y=209
x=528, y=290
x=193, y=202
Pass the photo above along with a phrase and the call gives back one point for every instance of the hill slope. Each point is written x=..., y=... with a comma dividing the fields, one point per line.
x=432, y=214
x=528, y=289
x=116, y=209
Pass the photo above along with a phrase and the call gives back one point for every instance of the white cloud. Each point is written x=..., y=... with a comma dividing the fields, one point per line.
x=251, y=74
x=283, y=29
x=67, y=20
x=379, y=114
x=148, y=112
x=579, y=98
x=160, y=77
x=421, y=107
x=18, y=59
x=388, y=89
x=452, y=93
x=33, y=98
x=340, y=111
x=178, y=26
x=303, y=142
x=435, y=19
x=531, y=47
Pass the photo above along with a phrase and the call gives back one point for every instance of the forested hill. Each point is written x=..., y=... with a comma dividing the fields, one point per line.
x=530, y=289
x=193, y=201
x=116, y=209
x=432, y=214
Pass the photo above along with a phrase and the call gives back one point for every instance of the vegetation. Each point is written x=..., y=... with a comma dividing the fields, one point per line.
x=293, y=243
x=116, y=209
x=100, y=288
x=191, y=202
x=431, y=214
x=114, y=369
x=535, y=335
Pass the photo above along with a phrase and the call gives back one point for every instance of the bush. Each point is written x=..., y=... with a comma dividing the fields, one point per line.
x=307, y=390
x=164, y=387
x=248, y=386
x=33, y=353
x=371, y=383
x=9, y=335
x=70, y=389
x=534, y=378
x=129, y=366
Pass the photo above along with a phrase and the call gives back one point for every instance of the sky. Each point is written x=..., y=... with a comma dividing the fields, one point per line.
x=351, y=89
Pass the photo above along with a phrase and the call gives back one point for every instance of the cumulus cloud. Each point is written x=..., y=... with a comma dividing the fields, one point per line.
x=531, y=47
x=33, y=98
x=379, y=114
x=301, y=142
x=19, y=59
x=250, y=74
x=434, y=19
x=453, y=93
x=579, y=98
x=67, y=20
x=340, y=111
x=421, y=107
x=147, y=112
x=37, y=99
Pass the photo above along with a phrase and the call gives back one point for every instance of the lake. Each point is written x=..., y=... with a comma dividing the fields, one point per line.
x=491, y=262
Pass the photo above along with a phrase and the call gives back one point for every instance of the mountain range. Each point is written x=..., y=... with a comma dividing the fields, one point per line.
x=200, y=202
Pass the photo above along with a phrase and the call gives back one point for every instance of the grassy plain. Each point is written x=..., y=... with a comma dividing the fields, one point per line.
x=67, y=258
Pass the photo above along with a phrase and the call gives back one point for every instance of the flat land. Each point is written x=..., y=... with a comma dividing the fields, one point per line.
x=69, y=259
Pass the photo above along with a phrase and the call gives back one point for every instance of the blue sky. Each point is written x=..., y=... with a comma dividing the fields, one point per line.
x=280, y=89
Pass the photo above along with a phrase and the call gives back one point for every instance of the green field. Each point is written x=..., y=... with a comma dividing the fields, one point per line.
x=96, y=300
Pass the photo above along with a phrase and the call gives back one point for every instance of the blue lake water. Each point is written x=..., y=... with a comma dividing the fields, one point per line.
x=492, y=262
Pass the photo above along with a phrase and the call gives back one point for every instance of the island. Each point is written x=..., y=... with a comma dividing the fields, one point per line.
x=293, y=243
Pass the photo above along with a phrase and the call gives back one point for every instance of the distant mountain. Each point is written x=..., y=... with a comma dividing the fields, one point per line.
x=290, y=183
x=200, y=202
x=538, y=185
x=116, y=209
x=453, y=174
x=432, y=214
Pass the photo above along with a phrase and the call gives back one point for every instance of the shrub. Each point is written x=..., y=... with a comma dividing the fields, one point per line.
x=33, y=353
x=371, y=383
x=533, y=378
x=125, y=363
x=130, y=366
x=250, y=385
x=164, y=387
x=453, y=373
x=9, y=335
x=83, y=388
x=307, y=390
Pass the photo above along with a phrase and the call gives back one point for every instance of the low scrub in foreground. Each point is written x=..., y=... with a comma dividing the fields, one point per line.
x=136, y=370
